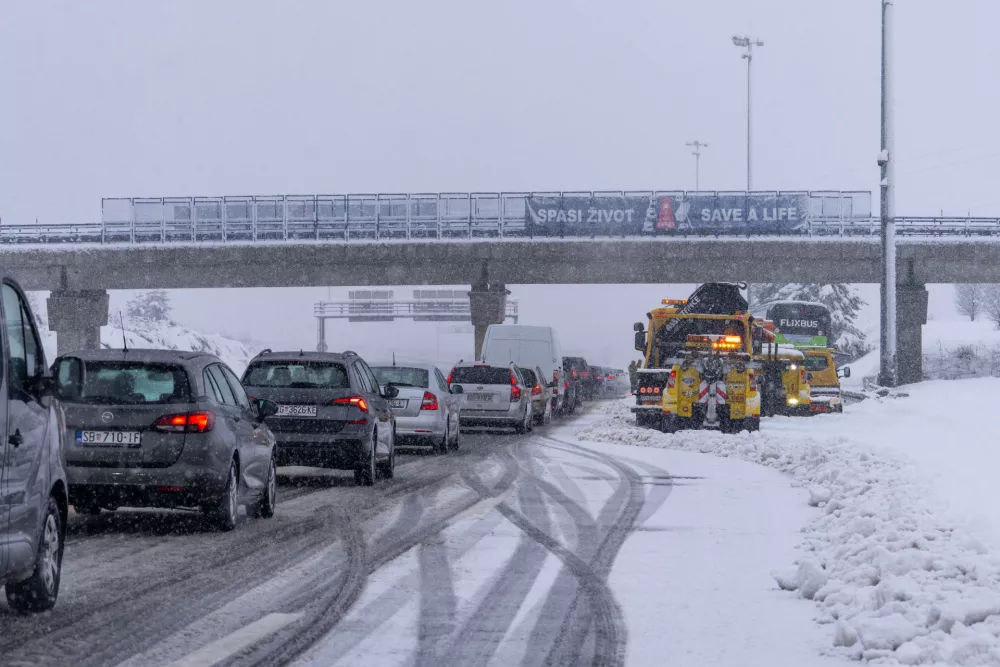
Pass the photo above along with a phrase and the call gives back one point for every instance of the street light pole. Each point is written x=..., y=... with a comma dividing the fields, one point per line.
x=697, y=157
x=748, y=43
x=887, y=359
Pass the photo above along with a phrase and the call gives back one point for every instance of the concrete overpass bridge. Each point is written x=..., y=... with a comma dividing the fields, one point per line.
x=490, y=241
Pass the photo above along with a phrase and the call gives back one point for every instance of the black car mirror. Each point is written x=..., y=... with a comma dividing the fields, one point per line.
x=809, y=377
x=638, y=326
x=457, y=389
x=67, y=380
x=266, y=408
x=640, y=340
x=846, y=371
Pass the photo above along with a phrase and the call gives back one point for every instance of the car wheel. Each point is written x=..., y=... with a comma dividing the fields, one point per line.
x=547, y=415
x=387, y=466
x=264, y=507
x=364, y=475
x=524, y=425
x=39, y=592
x=225, y=511
x=442, y=447
x=457, y=440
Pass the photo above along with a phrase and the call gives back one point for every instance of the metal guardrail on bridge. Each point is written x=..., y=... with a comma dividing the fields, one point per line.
x=448, y=216
x=420, y=310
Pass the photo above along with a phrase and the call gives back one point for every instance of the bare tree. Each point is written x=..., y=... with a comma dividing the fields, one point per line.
x=969, y=299
x=991, y=303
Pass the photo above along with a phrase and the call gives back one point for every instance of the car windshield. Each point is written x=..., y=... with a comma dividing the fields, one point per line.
x=133, y=382
x=816, y=363
x=297, y=375
x=481, y=375
x=401, y=376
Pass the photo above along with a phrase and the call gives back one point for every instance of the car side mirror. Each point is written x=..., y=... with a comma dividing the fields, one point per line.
x=809, y=377
x=265, y=408
x=640, y=340
x=846, y=371
x=66, y=382
x=390, y=391
x=457, y=389
x=638, y=326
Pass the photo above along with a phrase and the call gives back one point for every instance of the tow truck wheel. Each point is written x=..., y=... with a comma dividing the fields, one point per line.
x=751, y=424
x=669, y=423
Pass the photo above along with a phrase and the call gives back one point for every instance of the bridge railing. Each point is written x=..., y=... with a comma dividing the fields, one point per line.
x=485, y=215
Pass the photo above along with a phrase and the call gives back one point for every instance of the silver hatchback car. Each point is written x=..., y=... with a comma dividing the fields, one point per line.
x=163, y=428
x=426, y=408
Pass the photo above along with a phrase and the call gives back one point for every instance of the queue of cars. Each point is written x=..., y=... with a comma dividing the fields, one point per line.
x=103, y=429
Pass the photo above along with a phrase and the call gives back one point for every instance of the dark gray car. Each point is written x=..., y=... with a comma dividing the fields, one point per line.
x=163, y=428
x=33, y=501
x=332, y=413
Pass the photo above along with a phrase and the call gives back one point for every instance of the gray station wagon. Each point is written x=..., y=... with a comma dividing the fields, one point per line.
x=163, y=428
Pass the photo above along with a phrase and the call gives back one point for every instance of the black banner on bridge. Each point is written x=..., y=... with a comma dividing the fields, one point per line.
x=763, y=213
x=585, y=215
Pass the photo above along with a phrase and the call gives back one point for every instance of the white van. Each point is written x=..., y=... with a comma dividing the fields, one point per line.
x=528, y=346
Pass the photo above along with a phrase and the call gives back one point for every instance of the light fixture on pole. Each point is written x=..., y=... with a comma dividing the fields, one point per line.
x=887, y=359
x=748, y=43
x=697, y=157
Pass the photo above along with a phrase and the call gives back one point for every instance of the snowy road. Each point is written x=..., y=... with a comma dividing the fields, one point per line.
x=534, y=550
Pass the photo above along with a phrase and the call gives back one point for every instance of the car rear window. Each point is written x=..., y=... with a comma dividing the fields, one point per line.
x=481, y=375
x=401, y=376
x=134, y=382
x=297, y=375
x=529, y=377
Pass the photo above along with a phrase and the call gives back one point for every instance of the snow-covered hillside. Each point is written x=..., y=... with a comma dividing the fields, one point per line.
x=166, y=336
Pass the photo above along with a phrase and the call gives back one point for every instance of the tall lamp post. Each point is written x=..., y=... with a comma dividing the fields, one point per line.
x=697, y=157
x=748, y=43
x=887, y=359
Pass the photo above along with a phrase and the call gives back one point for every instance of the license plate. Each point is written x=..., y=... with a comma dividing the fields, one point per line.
x=108, y=438
x=479, y=398
x=398, y=403
x=297, y=410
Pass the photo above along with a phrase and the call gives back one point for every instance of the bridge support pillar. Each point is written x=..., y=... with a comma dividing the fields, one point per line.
x=77, y=318
x=487, y=305
x=911, y=315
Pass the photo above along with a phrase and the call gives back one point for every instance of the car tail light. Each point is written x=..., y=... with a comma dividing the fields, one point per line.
x=586, y=374
x=515, y=391
x=656, y=390
x=672, y=379
x=352, y=400
x=555, y=381
x=170, y=489
x=574, y=373
x=536, y=390
x=358, y=401
x=566, y=385
x=753, y=382
x=802, y=376
x=430, y=401
x=189, y=422
x=451, y=376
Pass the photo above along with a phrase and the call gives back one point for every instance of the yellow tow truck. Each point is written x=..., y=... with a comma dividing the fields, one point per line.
x=785, y=382
x=713, y=376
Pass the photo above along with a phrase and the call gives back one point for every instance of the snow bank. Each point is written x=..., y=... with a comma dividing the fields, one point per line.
x=897, y=581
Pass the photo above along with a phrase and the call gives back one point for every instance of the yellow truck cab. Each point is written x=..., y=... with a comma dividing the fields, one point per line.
x=792, y=397
x=712, y=378
x=824, y=381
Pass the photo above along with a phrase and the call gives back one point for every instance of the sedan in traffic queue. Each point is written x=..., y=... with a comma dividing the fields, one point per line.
x=426, y=409
x=170, y=429
x=331, y=411
x=541, y=394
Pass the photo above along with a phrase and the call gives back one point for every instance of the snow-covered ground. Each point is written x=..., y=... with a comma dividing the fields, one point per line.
x=902, y=557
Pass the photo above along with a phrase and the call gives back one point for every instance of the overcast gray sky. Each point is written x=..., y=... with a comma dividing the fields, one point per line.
x=187, y=97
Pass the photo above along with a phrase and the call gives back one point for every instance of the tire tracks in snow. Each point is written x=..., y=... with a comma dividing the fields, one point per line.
x=337, y=597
